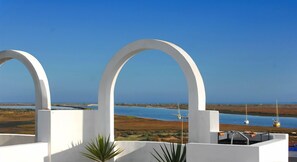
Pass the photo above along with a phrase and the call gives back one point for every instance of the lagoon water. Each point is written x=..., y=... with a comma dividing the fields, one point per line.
x=171, y=115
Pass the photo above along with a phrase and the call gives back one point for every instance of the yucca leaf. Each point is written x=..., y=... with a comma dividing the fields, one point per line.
x=159, y=158
x=101, y=149
x=173, y=154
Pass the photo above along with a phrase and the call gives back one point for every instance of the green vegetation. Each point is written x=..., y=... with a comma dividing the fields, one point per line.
x=101, y=149
x=172, y=154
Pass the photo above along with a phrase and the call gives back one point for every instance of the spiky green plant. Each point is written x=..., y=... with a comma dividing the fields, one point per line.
x=171, y=154
x=101, y=149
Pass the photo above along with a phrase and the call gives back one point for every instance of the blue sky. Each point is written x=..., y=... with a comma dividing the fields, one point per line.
x=246, y=50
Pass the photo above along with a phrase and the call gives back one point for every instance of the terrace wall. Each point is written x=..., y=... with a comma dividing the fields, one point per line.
x=34, y=152
x=136, y=151
x=67, y=132
x=13, y=139
x=222, y=153
x=275, y=150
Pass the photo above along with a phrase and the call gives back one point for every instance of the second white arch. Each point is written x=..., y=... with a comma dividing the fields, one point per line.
x=196, y=90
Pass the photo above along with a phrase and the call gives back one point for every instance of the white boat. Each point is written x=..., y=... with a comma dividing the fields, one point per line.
x=276, y=122
x=181, y=118
x=246, y=121
x=178, y=113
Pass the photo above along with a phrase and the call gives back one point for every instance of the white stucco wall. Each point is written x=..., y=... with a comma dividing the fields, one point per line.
x=204, y=126
x=67, y=130
x=13, y=139
x=275, y=150
x=222, y=153
x=138, y=151
x=34, y=152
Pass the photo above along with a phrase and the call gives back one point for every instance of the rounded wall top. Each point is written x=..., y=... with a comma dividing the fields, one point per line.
x=37, y=72
x=196, y=90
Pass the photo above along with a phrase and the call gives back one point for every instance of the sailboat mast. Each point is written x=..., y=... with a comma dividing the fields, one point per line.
x=277, y=117
x=245, y=111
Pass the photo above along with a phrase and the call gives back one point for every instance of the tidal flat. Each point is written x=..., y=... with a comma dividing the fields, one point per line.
x=130, y=128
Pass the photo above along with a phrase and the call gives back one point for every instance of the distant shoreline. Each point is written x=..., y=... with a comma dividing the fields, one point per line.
x=127, y=127
x=285, y=110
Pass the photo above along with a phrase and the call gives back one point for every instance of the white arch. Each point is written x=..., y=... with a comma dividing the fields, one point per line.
x=42, y=92
x=196, y=90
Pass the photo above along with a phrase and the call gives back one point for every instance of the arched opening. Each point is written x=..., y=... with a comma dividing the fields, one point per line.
x=42, y=93
x=106, y=90
x=149, y=81
x=16, y=99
